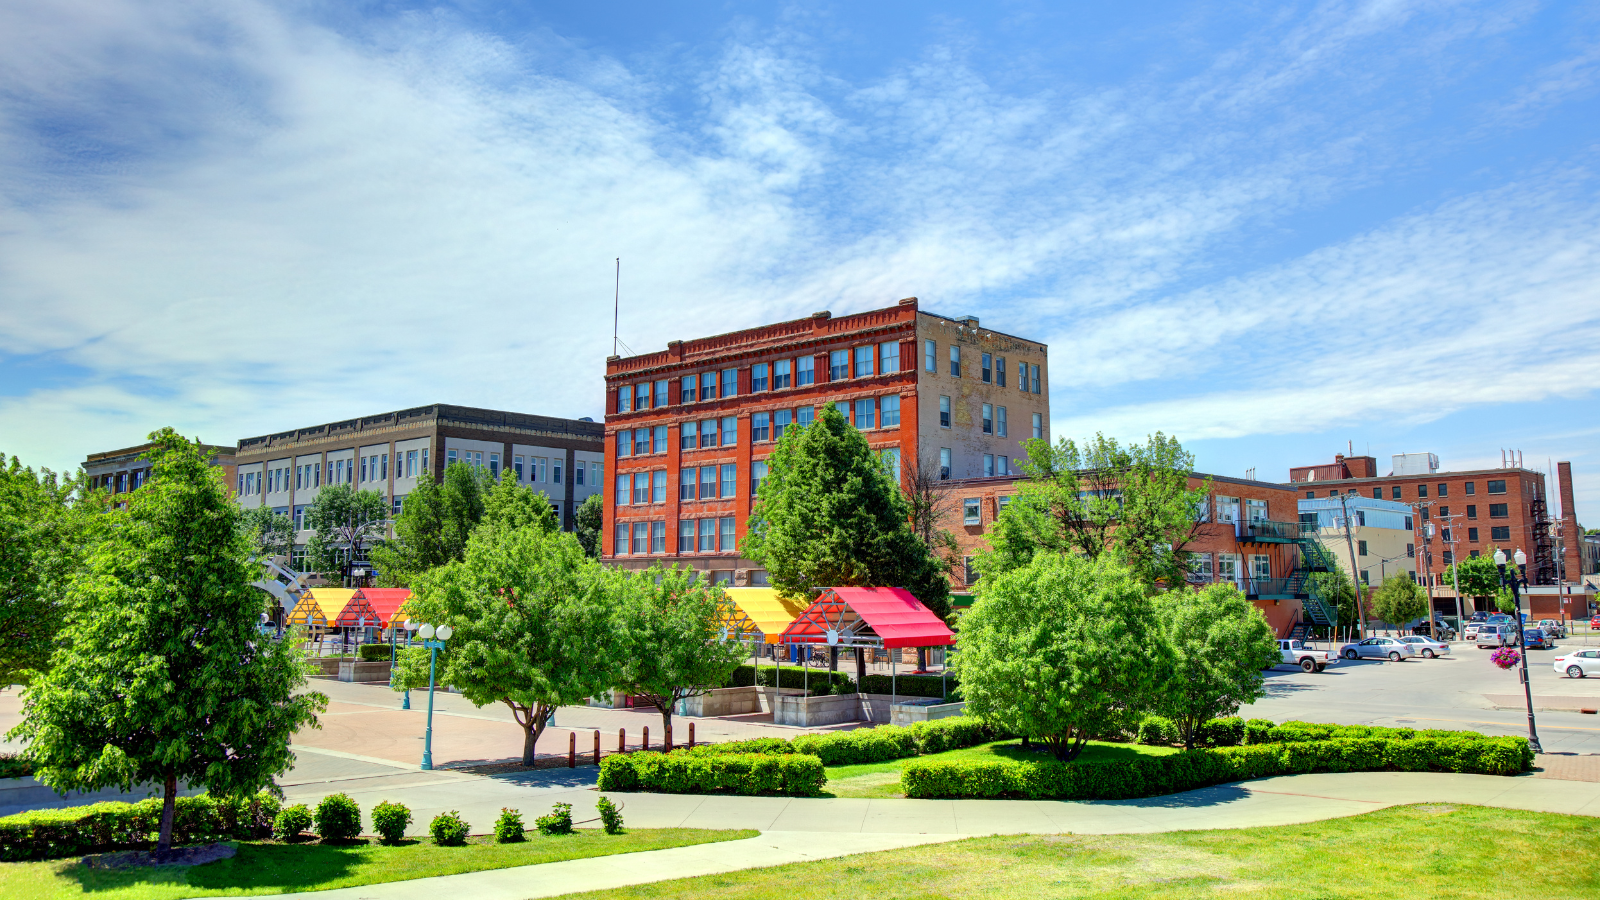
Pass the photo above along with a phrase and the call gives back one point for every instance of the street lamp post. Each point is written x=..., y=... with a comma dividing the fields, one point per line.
x=1521, y=573
x=434, y=645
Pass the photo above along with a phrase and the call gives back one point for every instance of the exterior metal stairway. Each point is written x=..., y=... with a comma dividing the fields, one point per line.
x=1313, y=558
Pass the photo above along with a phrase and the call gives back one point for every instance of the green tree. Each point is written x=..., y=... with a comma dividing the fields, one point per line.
x=1061, y=649
x=1399, y=600
x=534, y=623
x=1132, y=501
x=1220, y=643
x=267, y=532
x=162, y=675
x=1335, y=588
x=1478, y=575
x=587, y=523
x=510, y=504
x=343, y=522
x=829, y=514
x=435, y=521
x=673, y=634
x=47, y=526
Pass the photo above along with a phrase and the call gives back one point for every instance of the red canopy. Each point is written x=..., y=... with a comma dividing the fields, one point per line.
x=869, y=616
x=378, y=605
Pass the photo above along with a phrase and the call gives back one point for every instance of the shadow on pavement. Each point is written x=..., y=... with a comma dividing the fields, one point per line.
x=1198, y=799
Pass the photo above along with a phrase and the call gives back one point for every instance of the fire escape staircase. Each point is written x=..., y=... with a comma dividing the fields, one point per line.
x=1313, y=557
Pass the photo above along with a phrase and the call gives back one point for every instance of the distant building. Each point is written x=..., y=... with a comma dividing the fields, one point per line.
x=1381, y=538
x=122, y=471
x=387, y=452
x=689, y=428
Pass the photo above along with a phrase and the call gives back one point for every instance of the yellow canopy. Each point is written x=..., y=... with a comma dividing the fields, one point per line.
x=759, y=612
x=320, y=606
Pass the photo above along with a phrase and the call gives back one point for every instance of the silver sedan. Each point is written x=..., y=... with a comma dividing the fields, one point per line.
x=1378, y=648
x=1426, y=647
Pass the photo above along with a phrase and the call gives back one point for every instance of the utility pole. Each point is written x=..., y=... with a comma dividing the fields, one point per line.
x=1355, y=574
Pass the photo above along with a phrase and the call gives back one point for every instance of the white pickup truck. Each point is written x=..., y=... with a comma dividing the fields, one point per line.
x=1297, y=653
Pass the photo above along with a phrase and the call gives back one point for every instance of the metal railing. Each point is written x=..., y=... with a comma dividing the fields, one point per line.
x=1266, y=529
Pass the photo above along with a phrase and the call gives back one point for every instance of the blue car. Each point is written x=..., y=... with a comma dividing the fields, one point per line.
x=1534, y=639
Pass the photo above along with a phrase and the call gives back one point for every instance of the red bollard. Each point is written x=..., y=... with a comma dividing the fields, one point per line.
x=691, y=735
x=644, y=742
x=622, y=740
x=666, y=743
x=572, y=749
x=597, y=746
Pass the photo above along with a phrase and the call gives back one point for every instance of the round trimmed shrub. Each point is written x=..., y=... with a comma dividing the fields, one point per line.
x=389, y=820
x=448, y=829
x=508, y=829
x=291, y=822
x=338, y=818
x=610, y=816
x=558, y=822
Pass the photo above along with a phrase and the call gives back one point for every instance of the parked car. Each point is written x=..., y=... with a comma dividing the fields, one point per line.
x=1471, y=632
x=1534, y=639
x=1491, y=636
x=1553, y=628
x=1310, y=660
x=1378, y=648
x=1426, y=647
x=1478, y=617
x=1499, y=619
x=1594, y=623
x=1578, y=663
x=1434, y=629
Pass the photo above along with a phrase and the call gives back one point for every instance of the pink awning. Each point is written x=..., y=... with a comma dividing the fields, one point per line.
x=869, y=616
x=378, y=605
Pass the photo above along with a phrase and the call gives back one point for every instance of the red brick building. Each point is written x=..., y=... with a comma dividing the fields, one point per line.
x=1249, y=539
x=688, y=428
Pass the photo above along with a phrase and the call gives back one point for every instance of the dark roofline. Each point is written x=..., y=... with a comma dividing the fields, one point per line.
x=139, y=450
x=471, y=415
x=1371, y=478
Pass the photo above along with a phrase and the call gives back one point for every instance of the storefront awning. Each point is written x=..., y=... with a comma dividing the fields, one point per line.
x=757, y=614
x=320, y=606
x=868, y=617
x=374, y=606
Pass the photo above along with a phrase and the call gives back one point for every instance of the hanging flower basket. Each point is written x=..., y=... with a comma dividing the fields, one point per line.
x=1505, y=657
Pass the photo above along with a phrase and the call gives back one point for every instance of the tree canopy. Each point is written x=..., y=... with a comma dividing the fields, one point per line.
x=588, y=521
x=1399, y=600
x=674, y=643
x=1061, y=649
x=1219, y=643
x=1132, y=502
x=1478, y=575
x=268, y=533
x=830, y=514
x=437, y=519
x=162, y=675
x=343, y=522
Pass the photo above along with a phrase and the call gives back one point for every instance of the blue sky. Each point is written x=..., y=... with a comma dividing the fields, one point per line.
x=1274, y=230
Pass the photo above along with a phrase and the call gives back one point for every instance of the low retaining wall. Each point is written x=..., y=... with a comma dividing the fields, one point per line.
x=738, y=701
x=811, y=712
x=366, y=672
x=905, y=713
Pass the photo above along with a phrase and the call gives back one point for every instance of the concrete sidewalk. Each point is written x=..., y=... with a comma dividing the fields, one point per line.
x=797, y=829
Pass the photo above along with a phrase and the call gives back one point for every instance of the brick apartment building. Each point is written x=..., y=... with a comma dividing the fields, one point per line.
x=689, y=427
x=1247, y=538
x=1471, y=512
x=121, y=471
x=387, y=452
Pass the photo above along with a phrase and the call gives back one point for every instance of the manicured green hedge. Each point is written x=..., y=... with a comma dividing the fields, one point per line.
x=53, y=833
x=1155, y=776
x=1263, y=731
x=912, y=686
x=374, y=652
x=1158, y=731
x=793, y=774
x=14, y=766
x=868, y=745
x=819, y=682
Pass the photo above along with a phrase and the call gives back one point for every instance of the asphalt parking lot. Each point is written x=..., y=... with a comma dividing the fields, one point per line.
x=1460, y=691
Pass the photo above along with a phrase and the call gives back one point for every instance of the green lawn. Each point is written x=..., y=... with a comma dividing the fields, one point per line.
x=882, y=780
x=271, y=868
x=1404, y=852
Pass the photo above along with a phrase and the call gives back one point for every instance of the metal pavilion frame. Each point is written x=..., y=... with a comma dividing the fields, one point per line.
x=831, y=620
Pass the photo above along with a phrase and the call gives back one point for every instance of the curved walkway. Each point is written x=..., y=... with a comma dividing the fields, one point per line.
x=800, y=829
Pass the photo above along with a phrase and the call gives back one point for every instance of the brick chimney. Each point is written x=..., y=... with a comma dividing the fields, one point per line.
x=1571, y=537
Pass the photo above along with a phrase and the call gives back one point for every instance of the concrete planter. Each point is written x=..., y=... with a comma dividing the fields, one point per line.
x=737, y=701
x=906, y=712
x=365, y=672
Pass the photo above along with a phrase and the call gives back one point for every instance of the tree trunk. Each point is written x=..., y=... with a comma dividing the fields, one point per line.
x=169, y=806
x=530, y=740
x=665, y=705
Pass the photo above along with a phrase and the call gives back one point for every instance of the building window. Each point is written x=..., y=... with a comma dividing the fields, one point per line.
x=641, y=487
x=594, y=473
x=1361, y=546
x=536, y=469
x=1472, y=554
x=866, y=413
x=730, y=382
x=1228, y=567
x=889, y=411
x=1022, y=377
x=988, y=465
x=641, y=441
x=1260, y=565
x=1002, y=465
x=661, y=394
x=708, y=541
x=730, y=476
x=988, y=418
x=1000, y=422
x=1472, y=511
x=843, y=406
x=955, y=360
x=619, y=546
x=838, y=365
x=577, y=474
x=494, y=465
x=725, y=533
x=1422, y=491
x=1444, y=490
x=1443, y=511
x=624, y=444
x=660, y=439
x=658, y=537
x=805, y=371
x=708, y=385
x=1500, y=532
x=658, y=486
x=686, y=436
x=1377, y=493
x=1038, y=425
x=1472, y=535
x=930, y=356
x=690, y=389
x=1395, y=492
x=969, y=575
x=944, y=463
x=686, y=479
x=1033, y=378
x=1498, y=510
x=1003, y=501
x=864, y=361
x=758, y=377
x=888, y=357
x=1497, y=487
x=986, y=370
x=971, y=511
x=1409, y=525
x=780, y=374
x=625, y=398
x=1000, y=371
x=641, y=537
x=891, y=456
x=781, y=421
x=944, y=412
x=1311, y=495
x=805, y=415
x=708, y=433
x=708, y=482
x=641, y=398
x=1472, y=488
x=519, y=466
x=685, y=535
x=1449, y=558
x=760, y=426
x=758, y=474
x=730, y=431
x=1411, y=551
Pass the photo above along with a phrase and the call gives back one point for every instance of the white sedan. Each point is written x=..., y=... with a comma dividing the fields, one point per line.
x=1578, y=663
x=1426, y=647
x=1378, y=648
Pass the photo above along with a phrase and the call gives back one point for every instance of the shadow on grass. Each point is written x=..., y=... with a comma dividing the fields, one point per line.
x=296, y=866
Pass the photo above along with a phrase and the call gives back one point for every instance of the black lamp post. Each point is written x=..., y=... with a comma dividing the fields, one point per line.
x=1520, y=575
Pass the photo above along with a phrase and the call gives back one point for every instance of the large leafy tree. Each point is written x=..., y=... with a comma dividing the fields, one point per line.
x=1477, y=575
x=343, y=522
x=587, y=523
x=1220, y=643
x=1061, y=649
x=1399, y=600
x=535, y=623
x=47, y=526
x=267, y=532
x=1336, y=588
x=1133, y=502
x=510, y=504
x=162, y=675
x=829, y=514
x=674, y=642
x=434, y=524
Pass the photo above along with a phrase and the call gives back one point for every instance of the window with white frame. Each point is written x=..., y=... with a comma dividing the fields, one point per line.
x=781, y=420
x=930, y=356
x=1260, y=565
x=1022, y=377
x=805, y=371
x=866, y=413
x=641, y=441
x=944, y=412
x=1228, y=567
x=658, y=486
x=660, y=445
x=641, y=537
x=988, y=465
x=971, y=511
x=658, y=537
x=758, y=377
x=519, y=464
x=685, y=535
x=730, y=431
x=577, y=474
x=708, y=385
x=730, y=382
x=864, y=361
x=986, y=369
x=805, y=415
x=1000, y=427
x=686, y=480
x=838, y=365
x=889, y=411
x=888, y=357
x=625, y=442
x=686, y=436
x=955, y=360
x=1227, y=509
x=760, y=426
x=1033, y=379
x=641, y=488
x=708, y=535
x=708, y=433
x=625, y=398
x=999, y=371
x=891, y=458
x=623, y=490
x=1038, y=425
x=619, y=544
x=988, y=418
x=725, y=539
x=944, y=463
x=708, y=482
x=1257, y=510
x=641, y=395
x=661, y=393
x=1200, y=567
x=689, y=389
x=780, y=374
x=494, y=465
x=555, y=471
x=730, y=479
x=758, y=474
x=1002, y=465
x=843, y=406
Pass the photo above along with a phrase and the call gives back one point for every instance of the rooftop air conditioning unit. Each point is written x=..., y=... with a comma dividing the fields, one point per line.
x=1415, y=463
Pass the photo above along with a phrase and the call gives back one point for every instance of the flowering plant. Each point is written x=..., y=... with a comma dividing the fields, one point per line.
x=1505, y=657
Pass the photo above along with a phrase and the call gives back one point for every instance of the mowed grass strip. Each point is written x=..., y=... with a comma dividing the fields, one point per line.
x=1414, y=851
x=272, y=868
x=880, y=781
